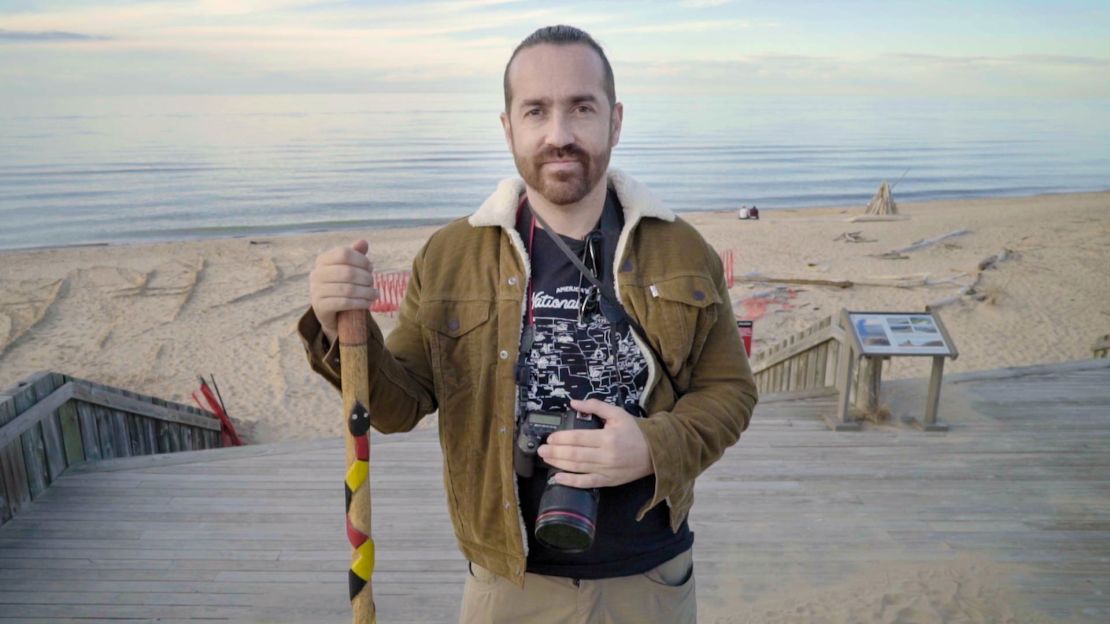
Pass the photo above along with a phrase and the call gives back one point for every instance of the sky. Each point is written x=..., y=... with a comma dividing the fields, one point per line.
x=700, y=47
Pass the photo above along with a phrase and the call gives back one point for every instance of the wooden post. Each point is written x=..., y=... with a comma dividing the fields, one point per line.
x=354, y=371
x=932, y=402
x=870, y=380
x=844, y=385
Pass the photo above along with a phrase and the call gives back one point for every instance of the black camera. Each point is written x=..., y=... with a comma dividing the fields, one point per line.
x=567, y=517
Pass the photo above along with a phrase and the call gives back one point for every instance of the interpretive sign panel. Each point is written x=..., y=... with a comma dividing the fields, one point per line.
x=900, y=333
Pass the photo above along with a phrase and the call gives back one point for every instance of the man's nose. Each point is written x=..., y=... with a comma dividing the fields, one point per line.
x=560, y=132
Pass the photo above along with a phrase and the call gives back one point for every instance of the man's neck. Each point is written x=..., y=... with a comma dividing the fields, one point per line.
x=572, y=220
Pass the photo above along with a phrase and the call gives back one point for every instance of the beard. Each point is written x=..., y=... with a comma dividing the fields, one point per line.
x=565, y=186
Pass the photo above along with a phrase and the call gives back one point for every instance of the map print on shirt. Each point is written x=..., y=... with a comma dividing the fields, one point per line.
x=571, y=359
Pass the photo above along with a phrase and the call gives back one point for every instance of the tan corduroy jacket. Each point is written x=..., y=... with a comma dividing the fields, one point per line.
x=457, y=338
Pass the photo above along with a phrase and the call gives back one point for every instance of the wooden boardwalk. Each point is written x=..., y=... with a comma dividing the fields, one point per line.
x=1009, y=510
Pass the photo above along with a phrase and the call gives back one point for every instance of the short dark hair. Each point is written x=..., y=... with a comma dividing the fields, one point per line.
x=561, y=35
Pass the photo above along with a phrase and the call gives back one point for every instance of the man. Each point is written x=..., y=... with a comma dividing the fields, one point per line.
x=499, y=324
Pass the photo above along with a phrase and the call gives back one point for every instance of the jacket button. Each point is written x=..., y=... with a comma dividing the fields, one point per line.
x=453, y=324
x=512, y=281
x=502, y=430
x=504, y=355
x=699, y=295
x=506, y=504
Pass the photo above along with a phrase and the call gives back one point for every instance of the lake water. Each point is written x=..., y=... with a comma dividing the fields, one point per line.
x=124, y=169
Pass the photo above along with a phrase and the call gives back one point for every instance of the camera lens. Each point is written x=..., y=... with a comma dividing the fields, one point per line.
x=567, y=518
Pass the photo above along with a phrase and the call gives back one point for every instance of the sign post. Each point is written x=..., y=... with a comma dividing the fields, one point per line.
x=881, y=335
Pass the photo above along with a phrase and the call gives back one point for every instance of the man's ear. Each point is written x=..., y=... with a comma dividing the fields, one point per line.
x=508, y=128
x=615, y=124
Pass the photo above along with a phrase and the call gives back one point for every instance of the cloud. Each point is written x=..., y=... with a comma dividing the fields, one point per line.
x=702, y=4
x=53, y=35
x=997, y=61
x=677, y=27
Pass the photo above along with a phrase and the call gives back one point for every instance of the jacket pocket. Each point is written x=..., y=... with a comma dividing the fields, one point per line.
x=456, y=354
x=687, y=306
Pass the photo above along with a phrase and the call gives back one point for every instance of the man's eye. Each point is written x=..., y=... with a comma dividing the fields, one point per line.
x=584, y=109
x=531, y=112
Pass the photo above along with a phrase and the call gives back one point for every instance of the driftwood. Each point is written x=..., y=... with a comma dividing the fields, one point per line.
x=854, y=237
x=991, y=261
x=882, y=203
x=940, y=303
x=868, y=218
x=755, y=276
x=890, y=255
x=893, y=281
x=896, y=281
x=926, y=242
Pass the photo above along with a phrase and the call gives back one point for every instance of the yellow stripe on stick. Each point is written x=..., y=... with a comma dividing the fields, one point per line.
x=364, y=564
x=357, y=473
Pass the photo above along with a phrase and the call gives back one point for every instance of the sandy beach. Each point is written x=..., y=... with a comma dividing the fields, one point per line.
x=150, y=317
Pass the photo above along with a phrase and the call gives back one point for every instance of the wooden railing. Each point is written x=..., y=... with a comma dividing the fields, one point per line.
x=49, y=422
x=1101, y=348
x=805, y=361
x=815, y=361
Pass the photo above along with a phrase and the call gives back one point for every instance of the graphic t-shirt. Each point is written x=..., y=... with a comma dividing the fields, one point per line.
x=577, y=353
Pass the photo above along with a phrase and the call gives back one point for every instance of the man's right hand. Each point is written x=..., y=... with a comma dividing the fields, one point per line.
x=343, y=279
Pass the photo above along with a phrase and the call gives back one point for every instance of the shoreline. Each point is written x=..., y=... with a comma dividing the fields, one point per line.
x=418, y=223
x=150, y=316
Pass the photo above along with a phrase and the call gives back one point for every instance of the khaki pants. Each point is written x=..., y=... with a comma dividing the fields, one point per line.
x=664, y=594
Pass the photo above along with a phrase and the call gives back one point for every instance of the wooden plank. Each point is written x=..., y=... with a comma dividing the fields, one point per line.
x=54, y=445
x=14, y=473
x=115, y=400
x=8, y=492
x=820, y=373
x=5, y=509
x=870, y=378
x=34, y=458
x=32, y=412
x=149, y=434
x=70, y=424
x=120, y=437
x=136, y=441
x=177, y=440
x=104, y=432
x=831, y=349
x=844, y=385
x=90, y=438
x=162, y=429
x=7, y=409
x=23, y=392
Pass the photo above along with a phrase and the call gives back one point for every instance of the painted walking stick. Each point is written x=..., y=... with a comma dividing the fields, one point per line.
x=356, y=396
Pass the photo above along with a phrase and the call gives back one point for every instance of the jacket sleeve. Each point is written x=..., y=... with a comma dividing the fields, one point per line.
x=400, y=375
x=710, y=416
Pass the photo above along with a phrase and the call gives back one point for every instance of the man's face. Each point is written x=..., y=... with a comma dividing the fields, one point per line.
x=560, y=126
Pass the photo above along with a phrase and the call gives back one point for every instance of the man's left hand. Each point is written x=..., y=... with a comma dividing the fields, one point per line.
x=614, y=455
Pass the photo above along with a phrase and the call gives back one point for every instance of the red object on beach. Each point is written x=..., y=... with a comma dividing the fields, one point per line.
x=391, y=287
x=727, y=259
x=228, y=435
x=745, y=329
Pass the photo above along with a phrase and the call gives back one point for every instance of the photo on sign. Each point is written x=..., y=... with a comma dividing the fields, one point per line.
x=900, y=326
x=920, y=342
x=871, y=332
x=923, y=324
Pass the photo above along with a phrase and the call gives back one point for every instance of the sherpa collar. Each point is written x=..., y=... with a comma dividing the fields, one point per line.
x=499, y=209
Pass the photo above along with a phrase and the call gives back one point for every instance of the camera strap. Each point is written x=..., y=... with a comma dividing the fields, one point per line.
x=606, y=290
